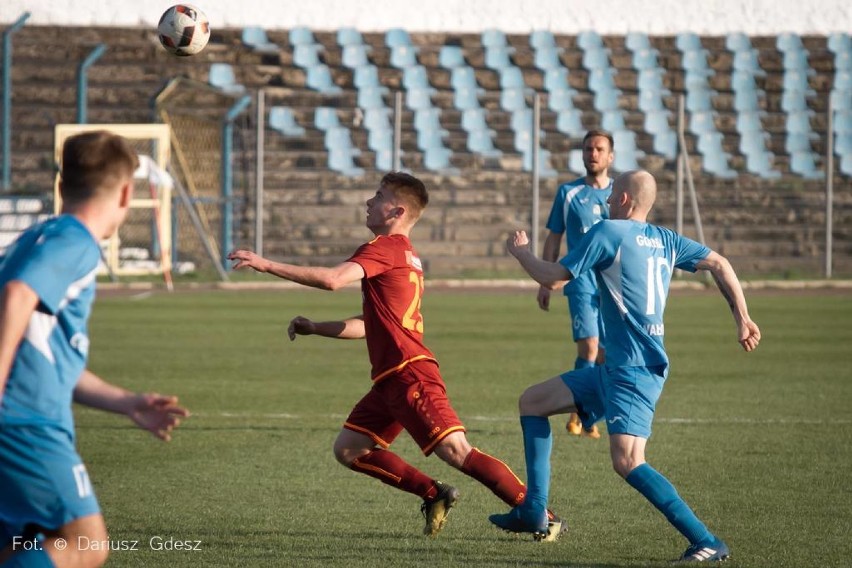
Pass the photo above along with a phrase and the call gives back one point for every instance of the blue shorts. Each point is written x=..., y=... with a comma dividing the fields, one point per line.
x=44, y=481
x=625, y=396
x=585, y=316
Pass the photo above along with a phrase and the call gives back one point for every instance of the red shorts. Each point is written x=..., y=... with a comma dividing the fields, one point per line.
x=413, y=399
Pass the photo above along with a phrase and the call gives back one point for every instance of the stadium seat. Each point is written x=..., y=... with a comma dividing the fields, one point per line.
x=752, y=142
x=595, y=59
x=463, y=78
x=255, y=38
x=657, y=122
x=742, y=80
x=354, y=56
x=547, y=58
x=542, y=39
x=282, y=120
x=625, y=161
x=480, y=141
x=451, y=56
x=793, y=101
x=589, y=40
x=403, y=56
x=606, y=100
x=512, y=78
x=702, y=122
x=341, y=161
x=803, y=164
x=497, y=58
x=637, y=41
x=687, y=42
x=699, y=100
x=746, y=100
x=544, y=168
x=560, y=100
x=845, y=165
x=371, y=97
x=575, y=162
x=789, y=42
x=651, y=80
x=493, y=38
x=696, y=62
x=749, y=121
x=839, y=42
x=760, y=164
x=601, y=80
x=338, y=138
x=366, y=76
x=428, y=119
x=665, y=144
x=397, y=37
x=473, y=120
x=556, y=80
x=843, y=82
x=650, y=101
x=222, y=77
x=384, y=160
x=568, y=121
x=306, y=55
x=748, y=61
x=415, y=77
x=645, y=59
x=380, y=139
x=431, y=139
x=438, y=160
x=325, y=118
x=521, y=120
x=349, y=36
x=797, y=142
x=319, y=79
x=466, y=98
x=417, y=99
x=737, y=41
x=377, y=118
x=796, y=60
x=301, y=36
x=513, y=99
x=799, y=122
x=612, y=120
x=843, y=120
x=797, y=81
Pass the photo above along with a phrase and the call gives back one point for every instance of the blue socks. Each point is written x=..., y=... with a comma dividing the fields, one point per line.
x=663, y=495
x=538, y=443
x=582, y=363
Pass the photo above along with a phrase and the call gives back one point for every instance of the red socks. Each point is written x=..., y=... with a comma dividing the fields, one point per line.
x=391, y=469
x=496, y=476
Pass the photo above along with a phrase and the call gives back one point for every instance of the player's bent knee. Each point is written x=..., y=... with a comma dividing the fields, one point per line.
x=453, y=450
x=624, y=465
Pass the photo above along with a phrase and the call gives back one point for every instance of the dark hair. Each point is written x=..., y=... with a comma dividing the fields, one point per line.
x=95, y=163
x=409, y=188
x=599, y=132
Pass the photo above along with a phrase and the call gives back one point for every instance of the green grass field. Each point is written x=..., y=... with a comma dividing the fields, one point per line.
x=759, y=444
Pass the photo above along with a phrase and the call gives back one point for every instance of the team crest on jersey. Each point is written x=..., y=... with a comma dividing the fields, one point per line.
x=414, y=261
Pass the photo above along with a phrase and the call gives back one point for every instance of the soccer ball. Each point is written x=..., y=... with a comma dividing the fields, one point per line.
x=183, y=30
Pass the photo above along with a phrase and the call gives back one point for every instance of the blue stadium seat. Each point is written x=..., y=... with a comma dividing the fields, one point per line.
x=542, y=39
x=349, y=36
x=493, y=38
x=255, y=38
x=380, y=139
x=325, y=118
x=846, y=165
x=513, y=99
x=843, y=81
x=556, y=80
x=397, y=37
x=403, y=56
x=796, y=60
x=301, y=36
x=366, y=76
x=415, y=77
x=737, y=41
x=789, y=42
x=546, y=58
x=428, y=119
x=384, y=160
x=665, y=144
x=222, y=77
x=645, y=59
x=473, y=120
x=596, y=59
x=843, y=120
x=650, y=101
x=466, y=98
x=377, y=118
x=696, y=61
x=431, y=139
x=319, y=79
x=799, y=122
x=512, y=78
x=797, y=142
x=480, y=141
x=338, y=138
x=451, y=56
x=701, y=122
x=803, y=164
x=695, y=81
x=760, y=164
x=306, y=55
x=657, y=122
x=843, y=143
x=843, y=61
x=612, y=120
x=602, y=80
x=463, y=78
x=687, y=42
x=652, y=80
x=746, y=100
x=699, y=100
x=839, y=42
x=748, y=61
x=752, y=142
x=544, y=168
x=417, y=99
x=438, y=160
x=282, y=120
x=606, y=100
x=371, y=97
x=749, y=121
x=341, y=161
x=793, y=101
x=354, y=56
x=569, y=121
x=637, y=41
x=742, y=80
x=497, y=58
x=589, y=40
x=560, y=100
x=575, y=162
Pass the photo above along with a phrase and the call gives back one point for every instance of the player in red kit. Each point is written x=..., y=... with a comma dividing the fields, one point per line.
x=408, y=392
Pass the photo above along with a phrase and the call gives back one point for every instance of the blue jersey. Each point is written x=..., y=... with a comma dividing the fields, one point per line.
x=576, y=208
x=633, y=264
x=58, y=259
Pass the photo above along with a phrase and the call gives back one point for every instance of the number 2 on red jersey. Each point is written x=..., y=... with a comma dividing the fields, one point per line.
x=412, y=319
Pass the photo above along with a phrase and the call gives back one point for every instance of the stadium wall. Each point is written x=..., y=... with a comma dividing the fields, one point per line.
x=754, y=17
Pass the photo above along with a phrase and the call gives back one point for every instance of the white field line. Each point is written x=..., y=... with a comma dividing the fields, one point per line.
x=661, y=420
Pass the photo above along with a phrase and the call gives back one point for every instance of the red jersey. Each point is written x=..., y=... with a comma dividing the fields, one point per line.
x=392, y=291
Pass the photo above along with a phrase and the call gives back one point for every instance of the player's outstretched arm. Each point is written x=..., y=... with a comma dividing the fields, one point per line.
x=551, y=275
x=550, y=253
x=729, y=285
x=313, y=276
x=154, y=412
x=352, y=328
x=17, y=304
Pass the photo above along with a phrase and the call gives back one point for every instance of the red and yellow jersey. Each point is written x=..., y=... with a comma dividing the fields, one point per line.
x=392, y=291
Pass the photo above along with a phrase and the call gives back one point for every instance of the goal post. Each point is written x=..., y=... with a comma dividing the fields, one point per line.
x=143, y=244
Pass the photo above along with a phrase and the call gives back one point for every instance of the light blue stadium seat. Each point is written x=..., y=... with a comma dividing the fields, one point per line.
x=560, y=100
x=282, y=120
x=417, y=99
x=325, y=118
x=371, y=97
x=341, y=161
x=380, y=139
x=589, y=40
x=575, y=162
x=715, y=162
x=306, y=55
x=480, y=141
x=843, y=81
x=545, y=170
x=760, y=164
x=688, y=41
x=466, y=98
x=415, y=77
x=301, y=36
x=749, y=121
x=428, y=119
x=701, y=122
x=384, y=160
x=797, y=142
x=366, y=76
x=255, y=38
x=748, y=61
x=737, y=41
x=523, y=140
x=377, y=118
x=513, y=99
x=637, y=41
x=699, y=100
x=843, y=61
x=397, y=37
x=542, y=39
x=463, y=78
x=625, y=160
x=451, y=56
x=546, y=58
x=746, y=100
x=354, y=56
x=846, y=164
x=696, y=61
x=796, y=60
x=556, y=80
x=651, y=80
x=493, y=38
x=497, y=58
x=438, y=160
x=602, y=79
x=839, y=42
x=612, y=120
x=799, y=122
x=606, y=100
x=338, y=138
x=657, y=122
x=789, y=42
x=695, y=81
x=319, y=78
x=843, y=120
x=222, y=77
x=349, y=36
x=843, y=143
x=569, y=121
x=803, y=164
x=742, y=80
x=403, y=56
x=793, y=101
x=797, y=81
x=665, y=144
x=473, y=120
x=512, y=78
x=645, y=59
x=521, y=119
x=650, y=101
x=596, y=59
x=752, y=142
x=431, y=139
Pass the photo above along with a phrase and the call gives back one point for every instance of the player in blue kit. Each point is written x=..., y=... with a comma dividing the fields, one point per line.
x=633, y=262
x=47, y=286
x=577, y=207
